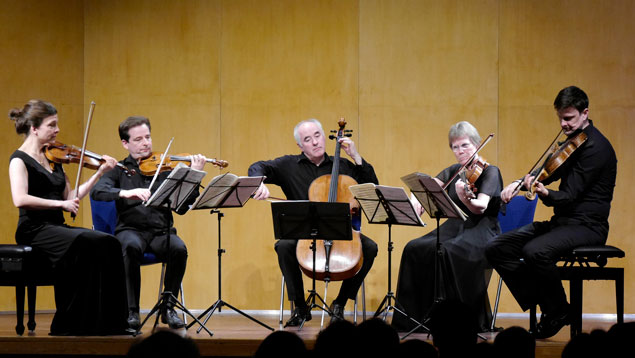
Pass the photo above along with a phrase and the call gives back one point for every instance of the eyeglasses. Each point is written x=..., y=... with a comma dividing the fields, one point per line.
x=464, y=146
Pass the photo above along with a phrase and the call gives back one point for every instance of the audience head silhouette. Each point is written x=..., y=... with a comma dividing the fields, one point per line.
x=454, y=328
x=340, y=338
x=164, y=344
x=281, y=344
x=377, y=338
x=515, y=342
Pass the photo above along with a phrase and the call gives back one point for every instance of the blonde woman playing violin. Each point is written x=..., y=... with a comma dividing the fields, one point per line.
x=141, y=228
x=581, y=208
x=87, y=265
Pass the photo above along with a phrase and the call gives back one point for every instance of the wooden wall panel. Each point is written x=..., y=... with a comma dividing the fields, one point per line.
x=424, y=65
x=544, y=47
x=282, y=62
x=160, y=60
x=230, y=79
x=42, y=58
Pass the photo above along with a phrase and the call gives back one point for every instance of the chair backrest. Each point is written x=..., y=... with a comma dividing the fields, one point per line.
x=520, y=212
x=105, y=220
x=104, y=216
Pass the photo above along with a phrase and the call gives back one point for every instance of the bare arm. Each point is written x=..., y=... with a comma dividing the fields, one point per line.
x=19, y=178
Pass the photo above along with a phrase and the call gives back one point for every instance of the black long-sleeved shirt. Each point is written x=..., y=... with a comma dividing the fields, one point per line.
x=132, y=214
x=295, y=173
x=587, y=180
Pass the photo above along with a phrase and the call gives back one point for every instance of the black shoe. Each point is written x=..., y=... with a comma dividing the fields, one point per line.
x=337, y=312
x=300, y=315
x=550, y=324
x=172, y=318
x=133, y=320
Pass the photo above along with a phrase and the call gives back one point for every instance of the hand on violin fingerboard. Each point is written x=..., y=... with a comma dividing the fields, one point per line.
x=198, y=161
x=108, y=164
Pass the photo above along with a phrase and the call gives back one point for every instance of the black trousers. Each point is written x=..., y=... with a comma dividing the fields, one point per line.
x=535, y=279
x=134, y=243
x=293, y=275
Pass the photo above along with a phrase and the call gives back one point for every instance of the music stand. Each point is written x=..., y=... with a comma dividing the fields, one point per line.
x=225, y=191
x=310, y=220
x=391, y=206
x=172, y=194
x=438, y=205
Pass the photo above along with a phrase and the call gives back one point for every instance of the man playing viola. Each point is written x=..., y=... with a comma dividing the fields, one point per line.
x=140, y=228
x=581, y=209
x=294, y=174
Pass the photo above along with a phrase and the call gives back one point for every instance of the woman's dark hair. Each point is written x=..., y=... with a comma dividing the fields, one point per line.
x=31, y=115
x=131, y=122
x=571, y=96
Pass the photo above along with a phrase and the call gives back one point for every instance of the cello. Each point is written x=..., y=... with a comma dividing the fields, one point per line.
x=337, y=260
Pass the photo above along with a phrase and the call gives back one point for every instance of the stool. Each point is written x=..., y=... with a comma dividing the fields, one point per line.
x=584, y=256
x=20, y=267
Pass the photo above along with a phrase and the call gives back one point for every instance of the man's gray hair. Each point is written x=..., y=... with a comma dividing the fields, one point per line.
x=296, y=135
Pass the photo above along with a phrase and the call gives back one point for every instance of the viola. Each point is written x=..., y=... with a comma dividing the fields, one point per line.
x=341, y=259
x=61, y=153
x=556, y=156
x=149, y=165
x=471, y=173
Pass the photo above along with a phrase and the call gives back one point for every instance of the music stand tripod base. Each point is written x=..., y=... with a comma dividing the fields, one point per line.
x=161, y=305
x=220, y=303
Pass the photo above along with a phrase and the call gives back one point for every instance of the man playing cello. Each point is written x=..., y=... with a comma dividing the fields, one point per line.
x=294, y=174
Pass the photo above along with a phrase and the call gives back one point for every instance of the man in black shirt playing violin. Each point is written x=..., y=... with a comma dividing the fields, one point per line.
x=141, y=228
x=294, y=174
x=581, y=209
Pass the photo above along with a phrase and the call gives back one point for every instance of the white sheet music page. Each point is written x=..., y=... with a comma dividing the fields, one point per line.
x=369, y=201
x=188, y=178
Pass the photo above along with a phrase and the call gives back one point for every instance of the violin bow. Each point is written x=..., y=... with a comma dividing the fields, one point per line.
x=165, y=154
x=81, y=155
x=489, y=137
x=517, y=188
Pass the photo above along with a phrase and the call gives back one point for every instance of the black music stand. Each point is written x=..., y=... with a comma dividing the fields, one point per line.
x=387, y=205
x=310, y=220
x=172, y=195
x=438, y=205
x=225, y=191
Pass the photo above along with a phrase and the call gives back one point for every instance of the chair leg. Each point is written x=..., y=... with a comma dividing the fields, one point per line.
x=619, y=296
x=19, y=309
x=281, y=301
x=364, y=300
x=498, y=296
x=183, y=302
x=575, y=288
x=32, y=292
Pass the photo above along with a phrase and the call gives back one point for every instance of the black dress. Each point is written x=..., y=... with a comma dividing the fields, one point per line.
x=464, y=271
x=87, y=265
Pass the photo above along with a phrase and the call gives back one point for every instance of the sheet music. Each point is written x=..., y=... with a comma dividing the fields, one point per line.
x=446, y=205
x=187, y=178
x=228, y=190
x=369, y=201
x=399, y=205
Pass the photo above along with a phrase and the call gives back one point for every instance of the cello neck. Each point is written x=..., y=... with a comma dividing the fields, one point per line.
x=335, y=171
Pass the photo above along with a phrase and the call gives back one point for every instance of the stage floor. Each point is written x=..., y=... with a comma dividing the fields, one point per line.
x=233, y=336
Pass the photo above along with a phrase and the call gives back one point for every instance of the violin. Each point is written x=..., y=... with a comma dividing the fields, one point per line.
x=334, y=260
x=470, y=175
x=61, y=153
x=472, y=169
x=149, y=165
x=556, y=155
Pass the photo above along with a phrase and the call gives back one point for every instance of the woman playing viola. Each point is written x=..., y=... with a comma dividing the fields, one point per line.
x=87, y=265
x=464, y=271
